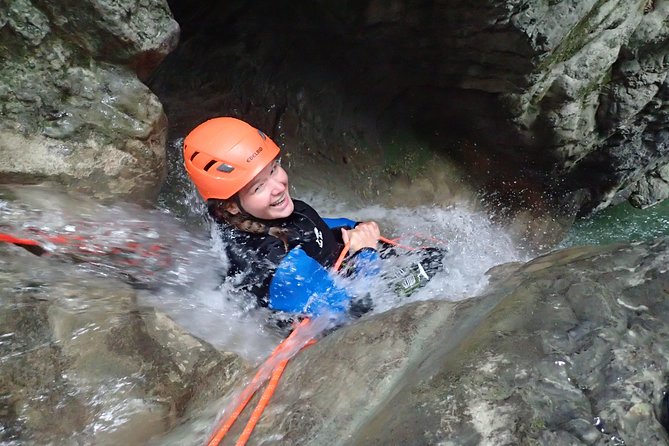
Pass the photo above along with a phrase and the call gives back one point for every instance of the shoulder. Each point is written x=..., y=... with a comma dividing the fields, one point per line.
x=263, y=244
x=302, y=209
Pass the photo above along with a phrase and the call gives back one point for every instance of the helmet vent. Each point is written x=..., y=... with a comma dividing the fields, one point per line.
x=192, y=157
x=209, y=164
x=227, y=168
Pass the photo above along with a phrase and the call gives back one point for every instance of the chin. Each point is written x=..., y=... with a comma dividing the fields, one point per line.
x=287, y=210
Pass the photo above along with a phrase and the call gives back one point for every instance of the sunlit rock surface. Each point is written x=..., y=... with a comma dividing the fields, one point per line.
x=569, y=349
x=73, y=109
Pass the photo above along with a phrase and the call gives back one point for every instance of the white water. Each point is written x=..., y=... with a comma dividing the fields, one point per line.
x=191, y=289
x=473, y=242
x=228, y=319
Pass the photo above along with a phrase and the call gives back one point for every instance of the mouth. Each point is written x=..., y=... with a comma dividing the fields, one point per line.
x=280, y=201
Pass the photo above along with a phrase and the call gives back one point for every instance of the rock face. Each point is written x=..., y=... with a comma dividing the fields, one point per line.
x=545, y=103
x=550, y=105
x=83, y=363
x=652, y=187
x=73, y=109
x=570, y=349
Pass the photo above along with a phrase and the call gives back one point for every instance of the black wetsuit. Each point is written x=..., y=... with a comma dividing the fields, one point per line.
x=288, y=275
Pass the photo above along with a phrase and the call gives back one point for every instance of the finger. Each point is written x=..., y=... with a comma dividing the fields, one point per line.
x=345, y=237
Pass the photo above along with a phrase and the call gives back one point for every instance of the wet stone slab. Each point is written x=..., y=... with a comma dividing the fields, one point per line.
x=82, y=363
x=569, y=349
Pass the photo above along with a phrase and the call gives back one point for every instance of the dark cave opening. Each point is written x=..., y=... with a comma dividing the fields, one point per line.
x=663, y=412
x=346, y=70
x=392, y=72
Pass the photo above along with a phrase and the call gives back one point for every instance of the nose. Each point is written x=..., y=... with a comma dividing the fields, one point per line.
x=277, y=186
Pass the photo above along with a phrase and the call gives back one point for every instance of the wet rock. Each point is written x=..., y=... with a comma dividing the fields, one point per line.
x=83, y=363
x=652, y=189
x=569, y=349
x=74, y=110
x=548, y=106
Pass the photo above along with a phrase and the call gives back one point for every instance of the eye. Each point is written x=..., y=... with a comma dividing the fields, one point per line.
x=275, y=165
x=257, y=188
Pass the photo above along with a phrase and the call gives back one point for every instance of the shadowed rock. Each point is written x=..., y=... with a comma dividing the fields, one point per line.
x=549, y=106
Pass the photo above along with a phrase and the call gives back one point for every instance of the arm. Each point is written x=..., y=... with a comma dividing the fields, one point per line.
x=363, y=258
x=364, y=263
x=301, y=285
x=334, y=223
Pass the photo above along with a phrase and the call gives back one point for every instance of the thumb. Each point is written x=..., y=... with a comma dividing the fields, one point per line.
x=345, y=237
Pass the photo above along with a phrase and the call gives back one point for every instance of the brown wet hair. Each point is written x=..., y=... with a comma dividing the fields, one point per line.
x=242, y=220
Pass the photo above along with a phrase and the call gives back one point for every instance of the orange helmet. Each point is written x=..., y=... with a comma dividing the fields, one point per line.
x=223, y=155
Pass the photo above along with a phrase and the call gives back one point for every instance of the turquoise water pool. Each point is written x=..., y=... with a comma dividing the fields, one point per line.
x=620, y=223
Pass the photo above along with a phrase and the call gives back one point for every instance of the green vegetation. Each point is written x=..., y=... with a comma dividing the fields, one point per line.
x=537, y=425
x=575, y=40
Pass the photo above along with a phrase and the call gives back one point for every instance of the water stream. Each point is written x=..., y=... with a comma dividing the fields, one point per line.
x=174, y=262
x=218, y=314
x=173, y=259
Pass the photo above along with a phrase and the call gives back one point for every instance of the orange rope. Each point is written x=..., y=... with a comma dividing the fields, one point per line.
x=395, y=243
x=267, y=395
x=251, y=388
x=340, y=259
x=245, y=397
x=262, y=403
x=17, y=241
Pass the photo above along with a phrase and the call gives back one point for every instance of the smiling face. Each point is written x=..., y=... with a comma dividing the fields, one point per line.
x=266, y=196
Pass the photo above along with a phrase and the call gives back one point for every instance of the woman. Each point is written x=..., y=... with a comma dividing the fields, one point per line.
x=279, y=249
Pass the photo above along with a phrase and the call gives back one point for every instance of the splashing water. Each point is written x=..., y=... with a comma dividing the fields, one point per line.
x=473, y=243
x=144, y=247
x=181, y=272
x=184, y=276
x=227, y=318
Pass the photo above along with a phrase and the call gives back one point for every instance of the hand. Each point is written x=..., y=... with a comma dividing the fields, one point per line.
x=364, y=235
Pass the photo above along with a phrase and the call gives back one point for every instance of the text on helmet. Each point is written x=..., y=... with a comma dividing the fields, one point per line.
x=253, y=155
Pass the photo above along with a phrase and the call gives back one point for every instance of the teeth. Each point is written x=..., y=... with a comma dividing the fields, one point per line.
x=278, y=202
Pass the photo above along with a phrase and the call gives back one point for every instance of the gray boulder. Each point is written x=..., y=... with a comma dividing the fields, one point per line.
x=83, y=363
x=569, y=349
x=73, y=108
x=653, y=188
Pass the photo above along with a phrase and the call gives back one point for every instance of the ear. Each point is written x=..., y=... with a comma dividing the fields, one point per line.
x=232, y=208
